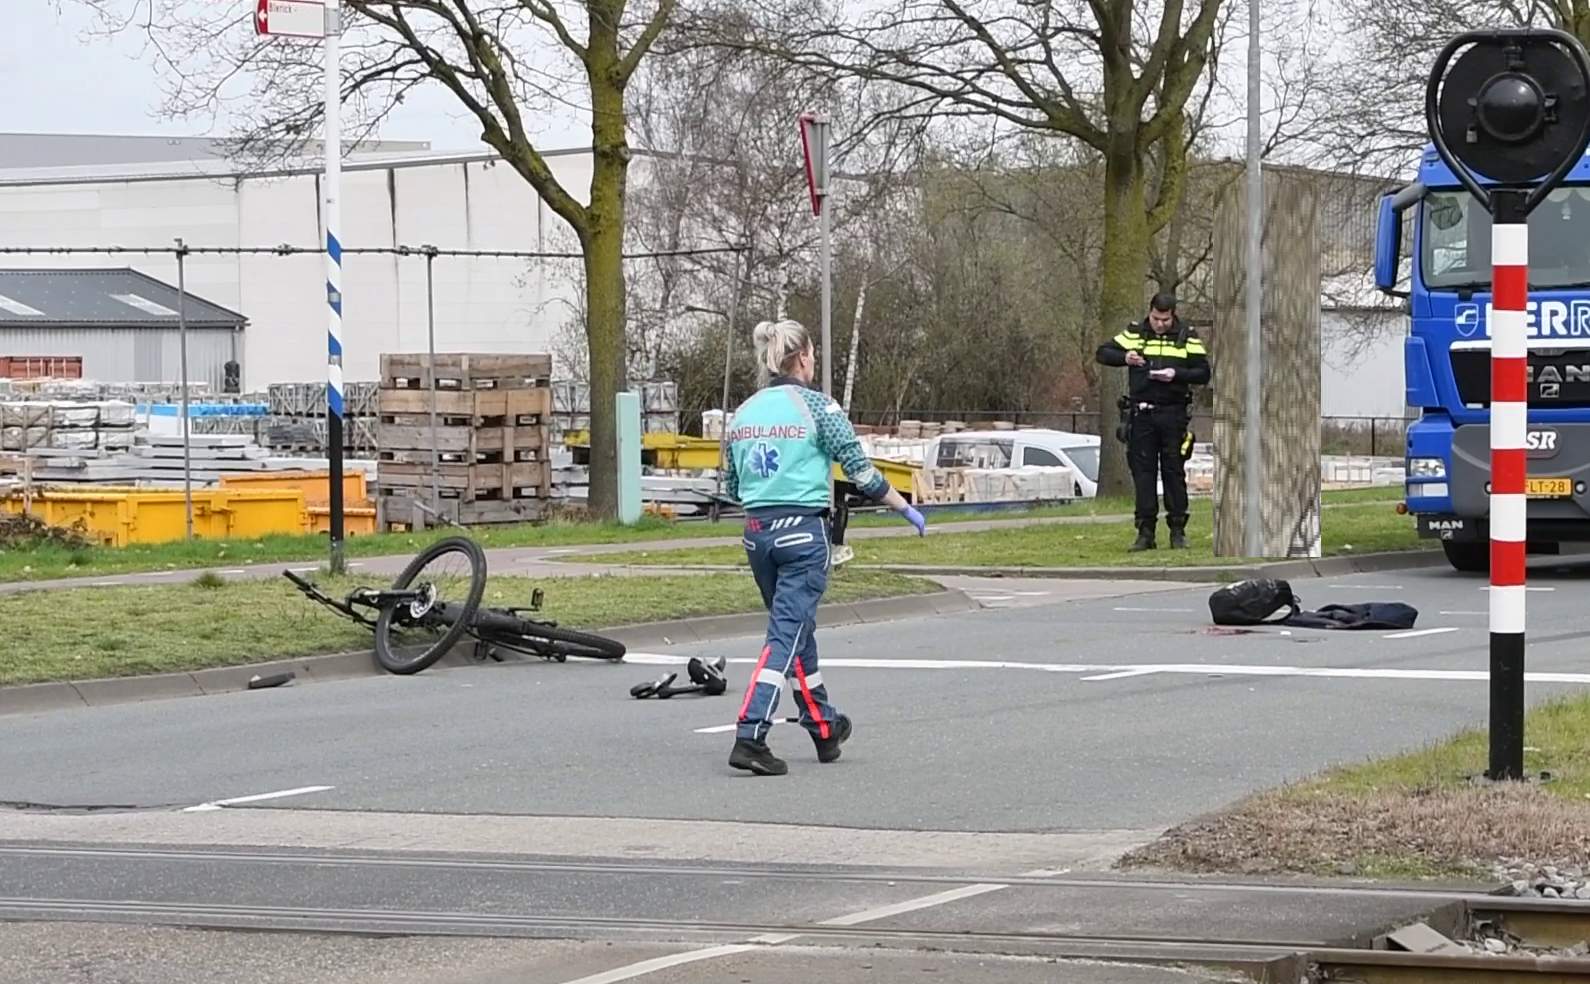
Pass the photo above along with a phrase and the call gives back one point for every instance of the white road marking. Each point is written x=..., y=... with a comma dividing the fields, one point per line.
x=301, y=570
x=1415, y=633
x=1190, y=669
x=1124, y=608
x=900, y=908
x=1121, y=675
x=634, y=970
x=238, y=570
x=644, y=967
x=988, y=597
x=1044, y=873
x=108, y=584
x=256, y=798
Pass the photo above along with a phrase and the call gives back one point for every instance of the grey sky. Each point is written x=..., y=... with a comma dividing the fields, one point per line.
x=59, y=83
x=72, y=84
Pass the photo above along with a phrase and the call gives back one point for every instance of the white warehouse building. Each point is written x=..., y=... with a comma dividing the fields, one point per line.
x=147, y=192
x=460, y=201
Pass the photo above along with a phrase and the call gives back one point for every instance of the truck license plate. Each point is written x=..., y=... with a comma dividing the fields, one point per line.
x=1548, y=488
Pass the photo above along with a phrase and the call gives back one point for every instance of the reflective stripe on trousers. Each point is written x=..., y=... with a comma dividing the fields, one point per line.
x=790, y=559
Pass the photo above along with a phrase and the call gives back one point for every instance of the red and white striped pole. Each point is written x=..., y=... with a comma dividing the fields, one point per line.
x=1509, y=470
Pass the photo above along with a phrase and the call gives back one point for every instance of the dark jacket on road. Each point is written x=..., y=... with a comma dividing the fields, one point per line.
x=1177, y=349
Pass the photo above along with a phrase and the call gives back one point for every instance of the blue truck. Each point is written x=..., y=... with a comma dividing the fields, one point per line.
x=1447, y=359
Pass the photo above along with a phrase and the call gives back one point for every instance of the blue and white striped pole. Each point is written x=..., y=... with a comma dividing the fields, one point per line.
x=333, y=219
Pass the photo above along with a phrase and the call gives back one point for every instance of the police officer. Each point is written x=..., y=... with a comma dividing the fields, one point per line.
x=782, y=445
x=1164, y=359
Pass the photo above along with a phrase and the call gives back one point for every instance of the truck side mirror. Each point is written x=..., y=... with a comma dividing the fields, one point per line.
x=1388, y=246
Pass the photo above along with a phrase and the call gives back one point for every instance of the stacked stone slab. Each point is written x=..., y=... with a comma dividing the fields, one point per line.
x=80, y=425
x=296, y=418
x=571, y=407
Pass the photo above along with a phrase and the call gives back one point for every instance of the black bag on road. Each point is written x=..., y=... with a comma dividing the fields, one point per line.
x=1369, y=615
x=1251, y=602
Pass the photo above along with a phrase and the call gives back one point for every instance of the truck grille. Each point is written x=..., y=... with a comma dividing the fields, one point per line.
x=1557, y=379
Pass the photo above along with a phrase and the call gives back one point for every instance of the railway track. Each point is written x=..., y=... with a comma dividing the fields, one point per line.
x=1527, y=924
x=455, y=862
x=1461, y=937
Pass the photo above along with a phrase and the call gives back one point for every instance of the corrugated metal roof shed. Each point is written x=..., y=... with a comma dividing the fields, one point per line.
x=119, y=297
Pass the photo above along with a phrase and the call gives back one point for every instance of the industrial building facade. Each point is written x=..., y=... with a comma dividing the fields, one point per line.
x=468, y=202
x=120, y=326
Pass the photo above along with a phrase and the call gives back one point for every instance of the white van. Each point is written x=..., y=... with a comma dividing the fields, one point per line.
x=1020, y=448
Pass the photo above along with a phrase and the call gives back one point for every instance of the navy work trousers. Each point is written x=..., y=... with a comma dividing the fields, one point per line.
x=789, y=558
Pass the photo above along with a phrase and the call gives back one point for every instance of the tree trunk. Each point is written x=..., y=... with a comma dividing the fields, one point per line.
x=605, y=313
x=1290, y=383
x=855, y=344
x=1124, y=272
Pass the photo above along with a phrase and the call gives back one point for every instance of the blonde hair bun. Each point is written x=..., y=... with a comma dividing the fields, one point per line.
x=778, y=343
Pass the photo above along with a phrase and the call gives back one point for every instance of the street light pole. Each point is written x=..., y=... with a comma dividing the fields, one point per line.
x=1253, y=447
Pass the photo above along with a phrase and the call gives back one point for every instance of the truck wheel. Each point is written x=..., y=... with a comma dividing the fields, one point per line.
x=1468, y=556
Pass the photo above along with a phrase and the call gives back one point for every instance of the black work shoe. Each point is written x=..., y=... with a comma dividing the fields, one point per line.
x=755, y=756
x=828, y=748
x=1144, y=541
x=1178, y=540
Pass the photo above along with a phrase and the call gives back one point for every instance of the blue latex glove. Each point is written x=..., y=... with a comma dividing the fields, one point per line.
x=915, y=519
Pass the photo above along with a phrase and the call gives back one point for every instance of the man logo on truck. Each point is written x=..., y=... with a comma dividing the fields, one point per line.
x=1544, y=319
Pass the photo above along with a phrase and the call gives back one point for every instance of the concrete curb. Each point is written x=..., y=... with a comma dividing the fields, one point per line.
x=1211, y=573
x=36, y=698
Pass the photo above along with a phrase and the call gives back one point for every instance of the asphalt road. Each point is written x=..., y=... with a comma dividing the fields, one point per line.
x=1098, y=713
x=1080, y=722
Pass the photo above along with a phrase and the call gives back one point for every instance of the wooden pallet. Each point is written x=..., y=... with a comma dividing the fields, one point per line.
x=410, y=509
x=525, y=406
x=469, y=483
x=938, y=485
x=465, y=371
x=463, y=445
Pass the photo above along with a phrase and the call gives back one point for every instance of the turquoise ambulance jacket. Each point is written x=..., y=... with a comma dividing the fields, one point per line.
x=782, y=445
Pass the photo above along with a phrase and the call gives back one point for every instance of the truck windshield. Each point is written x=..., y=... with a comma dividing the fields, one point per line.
x=1456, y=241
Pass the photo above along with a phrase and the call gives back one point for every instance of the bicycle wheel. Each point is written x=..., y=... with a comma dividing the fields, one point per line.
x=444, y=633
x=548, y=641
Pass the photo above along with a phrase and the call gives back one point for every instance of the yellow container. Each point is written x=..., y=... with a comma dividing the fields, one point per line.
x=358, y=517
x=118, y=517
x=686, y=453
x=316, y=485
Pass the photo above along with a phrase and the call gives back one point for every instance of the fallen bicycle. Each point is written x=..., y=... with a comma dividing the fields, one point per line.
x=416, y=605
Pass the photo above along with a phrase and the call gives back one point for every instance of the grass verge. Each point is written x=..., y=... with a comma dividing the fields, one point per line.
x=84, y=633
x=1411, y=816
x=25, y=559
x=1347, y=529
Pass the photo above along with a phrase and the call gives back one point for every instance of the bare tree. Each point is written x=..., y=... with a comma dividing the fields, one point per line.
x=723, y=169
x=503, y=61
x=1376, y=121
x=1098, y=71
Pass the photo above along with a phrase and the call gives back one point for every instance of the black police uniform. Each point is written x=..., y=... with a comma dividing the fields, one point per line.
x=1155, y=416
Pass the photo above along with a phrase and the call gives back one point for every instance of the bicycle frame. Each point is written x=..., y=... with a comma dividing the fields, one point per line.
x=415, y=604
x=376, y=600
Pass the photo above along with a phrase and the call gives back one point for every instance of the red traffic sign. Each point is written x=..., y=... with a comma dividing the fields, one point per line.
x=290, y=18
x=814, y=148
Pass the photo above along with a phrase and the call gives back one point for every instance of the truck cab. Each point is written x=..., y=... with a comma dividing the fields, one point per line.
x=1447, y=359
